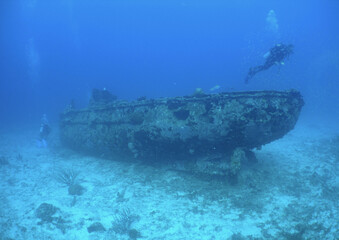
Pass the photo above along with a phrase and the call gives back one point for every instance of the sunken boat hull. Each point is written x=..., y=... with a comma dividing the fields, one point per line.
x=181, y=126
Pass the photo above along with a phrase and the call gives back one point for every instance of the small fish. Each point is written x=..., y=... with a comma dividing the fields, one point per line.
x=216, y=87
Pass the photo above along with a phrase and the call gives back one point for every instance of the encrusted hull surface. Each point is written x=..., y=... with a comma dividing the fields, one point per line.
x=182, y=126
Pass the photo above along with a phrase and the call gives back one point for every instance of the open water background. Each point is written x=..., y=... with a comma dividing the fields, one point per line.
x=54, y=51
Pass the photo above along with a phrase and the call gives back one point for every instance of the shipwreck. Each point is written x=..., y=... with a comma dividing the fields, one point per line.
x=180, y=127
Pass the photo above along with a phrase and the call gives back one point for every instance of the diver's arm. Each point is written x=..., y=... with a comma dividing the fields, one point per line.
x=266, y=55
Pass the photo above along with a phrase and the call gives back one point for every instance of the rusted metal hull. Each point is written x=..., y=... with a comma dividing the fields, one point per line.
x=182, y=126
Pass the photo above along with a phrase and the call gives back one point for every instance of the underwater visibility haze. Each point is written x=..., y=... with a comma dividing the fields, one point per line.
x=180, y=119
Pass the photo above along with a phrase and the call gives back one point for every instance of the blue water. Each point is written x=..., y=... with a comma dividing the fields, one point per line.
x=55, y=51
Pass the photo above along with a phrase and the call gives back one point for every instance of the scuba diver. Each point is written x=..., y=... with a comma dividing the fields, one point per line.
x=276, y=55
x=44, y=131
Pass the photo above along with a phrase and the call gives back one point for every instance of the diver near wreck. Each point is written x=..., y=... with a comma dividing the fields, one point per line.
x=44, y=131
x=276, y=55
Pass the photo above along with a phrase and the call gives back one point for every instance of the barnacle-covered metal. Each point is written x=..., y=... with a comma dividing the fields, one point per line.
x=177, y=127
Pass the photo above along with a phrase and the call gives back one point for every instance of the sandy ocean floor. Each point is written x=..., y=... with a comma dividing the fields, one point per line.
x=292, y=192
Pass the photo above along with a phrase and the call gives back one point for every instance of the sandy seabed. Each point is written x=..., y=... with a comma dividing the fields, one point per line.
x=292, y=192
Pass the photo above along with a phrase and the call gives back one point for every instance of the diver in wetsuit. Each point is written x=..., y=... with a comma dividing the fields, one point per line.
x=276, y=55
x=45, y=129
